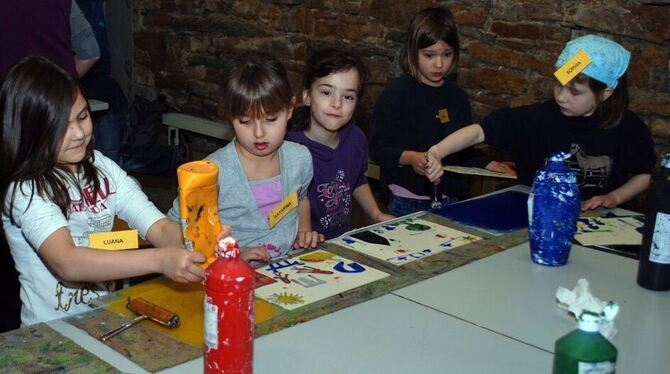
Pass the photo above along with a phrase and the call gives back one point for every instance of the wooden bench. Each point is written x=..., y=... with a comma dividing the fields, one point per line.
x=219, y=130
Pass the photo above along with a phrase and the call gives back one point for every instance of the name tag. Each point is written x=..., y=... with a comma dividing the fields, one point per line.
x=572, y=67
x=282, y=209
x=113, y=240
x=443, y=115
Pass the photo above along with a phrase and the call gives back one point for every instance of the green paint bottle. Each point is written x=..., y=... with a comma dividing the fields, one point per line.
x=585, y=350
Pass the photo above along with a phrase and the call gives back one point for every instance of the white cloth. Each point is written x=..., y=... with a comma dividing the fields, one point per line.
x=43, y=295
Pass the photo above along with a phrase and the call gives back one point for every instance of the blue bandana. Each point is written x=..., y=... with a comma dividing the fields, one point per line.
x=609, y=59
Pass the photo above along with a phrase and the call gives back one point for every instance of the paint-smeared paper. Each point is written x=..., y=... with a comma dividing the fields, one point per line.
x=311, y=277
x=408, y=240
x=500, y=212
x=609, y=231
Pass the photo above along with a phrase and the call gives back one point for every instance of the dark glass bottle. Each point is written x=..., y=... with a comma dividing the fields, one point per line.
x=654, y=268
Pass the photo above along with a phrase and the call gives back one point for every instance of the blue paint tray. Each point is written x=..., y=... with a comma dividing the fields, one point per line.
x=502, y=212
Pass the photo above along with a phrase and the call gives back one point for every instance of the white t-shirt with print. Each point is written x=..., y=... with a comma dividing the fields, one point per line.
x=43, y=295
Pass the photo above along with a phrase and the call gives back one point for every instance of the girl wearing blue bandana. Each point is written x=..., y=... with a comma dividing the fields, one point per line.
x=611, y=148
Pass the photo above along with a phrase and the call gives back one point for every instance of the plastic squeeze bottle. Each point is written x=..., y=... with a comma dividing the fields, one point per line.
x=585, y=350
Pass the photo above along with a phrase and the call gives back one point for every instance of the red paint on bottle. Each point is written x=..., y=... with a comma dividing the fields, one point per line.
x=229, y=312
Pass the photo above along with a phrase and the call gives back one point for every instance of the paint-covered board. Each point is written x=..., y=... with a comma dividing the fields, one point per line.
x=305, y=279
x=501, y=212
x=402, y=241
x=40, y=349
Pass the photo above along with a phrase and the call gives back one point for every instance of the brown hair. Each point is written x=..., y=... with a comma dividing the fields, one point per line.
x=257, y=84
x=322, y=63
x=609, y=111
x=428, y=27
x=36, y=99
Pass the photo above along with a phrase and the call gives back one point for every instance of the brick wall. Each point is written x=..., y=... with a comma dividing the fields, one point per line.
x=508, y=46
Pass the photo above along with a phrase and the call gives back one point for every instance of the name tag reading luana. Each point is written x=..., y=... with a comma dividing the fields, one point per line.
x=283, y=208
x=113, y=240
x=572, y=67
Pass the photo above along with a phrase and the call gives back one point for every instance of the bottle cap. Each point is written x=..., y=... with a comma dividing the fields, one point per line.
x=559, y=156
x=590, y=321
x=556, y=170
x=228, y=248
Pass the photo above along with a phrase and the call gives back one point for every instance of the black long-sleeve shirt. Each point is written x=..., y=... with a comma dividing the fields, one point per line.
x=406, y=117
x=602, y=159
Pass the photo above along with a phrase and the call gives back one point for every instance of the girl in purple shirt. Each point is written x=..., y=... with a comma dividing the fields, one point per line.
x=332, y=85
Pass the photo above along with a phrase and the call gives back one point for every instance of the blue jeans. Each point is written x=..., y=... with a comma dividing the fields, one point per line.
x=400, y=206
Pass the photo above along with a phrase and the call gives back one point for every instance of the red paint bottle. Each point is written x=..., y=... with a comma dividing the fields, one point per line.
x=229, y=312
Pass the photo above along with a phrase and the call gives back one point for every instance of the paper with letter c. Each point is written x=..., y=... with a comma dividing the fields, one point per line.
x=198, y=207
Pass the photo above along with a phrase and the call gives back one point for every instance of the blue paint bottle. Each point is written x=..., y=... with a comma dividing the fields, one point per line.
x=553, y=208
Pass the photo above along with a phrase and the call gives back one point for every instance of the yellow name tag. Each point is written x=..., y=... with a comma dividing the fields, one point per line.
x=283, y=208
x=443, y=115
x=572, y=67
x=113, y=240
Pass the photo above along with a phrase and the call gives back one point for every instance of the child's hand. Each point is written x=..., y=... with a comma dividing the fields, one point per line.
x=433, y=168
x=607, y=201
x=181, y=266
x=505, y=167
x=255, y=254
x=308, y=239
x=382, y=217
x=419, y=162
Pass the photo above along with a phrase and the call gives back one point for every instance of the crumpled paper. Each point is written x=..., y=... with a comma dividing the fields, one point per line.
x=580, y=300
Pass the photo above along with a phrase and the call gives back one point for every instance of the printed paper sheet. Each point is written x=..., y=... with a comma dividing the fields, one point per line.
x=406, y=240
x=608, y=231
x=302, y=280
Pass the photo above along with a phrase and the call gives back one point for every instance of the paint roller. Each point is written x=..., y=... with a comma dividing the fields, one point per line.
x=145, y=310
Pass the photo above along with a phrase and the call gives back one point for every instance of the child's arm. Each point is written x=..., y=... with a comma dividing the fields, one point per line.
x=306, y=237
x=458, y=140
x=165, y=233
x=627, y=191
x=81, y=264
x=364, y=197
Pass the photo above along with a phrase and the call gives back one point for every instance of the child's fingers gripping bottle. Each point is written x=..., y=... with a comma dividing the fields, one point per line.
x=229, y=312
x=585, y=350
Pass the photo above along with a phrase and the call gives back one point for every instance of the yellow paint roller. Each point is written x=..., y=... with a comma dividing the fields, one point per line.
x=145, y=310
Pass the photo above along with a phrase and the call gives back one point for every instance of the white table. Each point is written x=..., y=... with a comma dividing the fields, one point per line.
x=495, y=315
x=508, y=294
x=384, y=335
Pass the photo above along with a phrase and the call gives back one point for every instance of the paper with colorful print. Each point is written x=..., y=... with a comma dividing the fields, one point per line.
x=403, y=241
x=305, y=279
x=609, y=231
